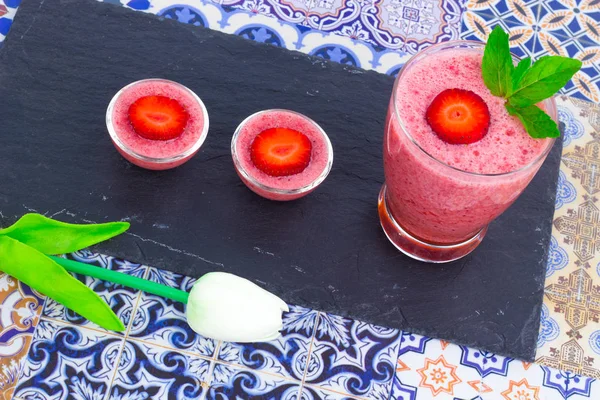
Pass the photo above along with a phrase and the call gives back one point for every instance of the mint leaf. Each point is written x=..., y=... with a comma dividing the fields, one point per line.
x=546, y=77
x=511, y=110
x=537, y=123
x=519, y=71
x=497, y=65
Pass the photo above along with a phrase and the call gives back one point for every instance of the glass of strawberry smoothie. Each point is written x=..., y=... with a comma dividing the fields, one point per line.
x=156, y=123
x=280, y=154
x=442, y=189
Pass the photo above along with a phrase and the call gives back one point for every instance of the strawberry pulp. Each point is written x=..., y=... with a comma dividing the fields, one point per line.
x=440, y=191
x=279, y=153
x=158, y=124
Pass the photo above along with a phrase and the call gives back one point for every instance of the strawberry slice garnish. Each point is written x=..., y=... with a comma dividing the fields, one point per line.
x=281, y=151
x=158, y=117
x=458, y=116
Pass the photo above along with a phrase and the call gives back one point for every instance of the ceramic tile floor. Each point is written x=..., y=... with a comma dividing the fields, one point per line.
x=323, y=356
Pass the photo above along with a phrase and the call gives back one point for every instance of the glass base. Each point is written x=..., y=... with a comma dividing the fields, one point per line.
x=417, y=248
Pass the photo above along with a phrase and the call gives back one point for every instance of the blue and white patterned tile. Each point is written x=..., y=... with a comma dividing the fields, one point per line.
x=317, y=393
x=8, y=9
x=558, y=258
x=411, y=25
x=253, y=19
x=162, y=321
x=325, y=15
x=594, y=342
x=234, y=383
x=337, y=49
x=484, y=362
x=565, y=191
x=263, y=29
x=68, y=362
x=193, y=12
x=390, y=62
x=541, y=27
x=411, y=342
x=352, y=357
x=185, y=15
x=285, y=356
x=146, y=371
x=574, y=129
x=403, y=391
x=343, y=49
x=140, y=5
x=355, y=31
x=438, y=21
x=565, y=385
x=256, y=7
x=11, y=3
x=549, y=328
x=121, y=299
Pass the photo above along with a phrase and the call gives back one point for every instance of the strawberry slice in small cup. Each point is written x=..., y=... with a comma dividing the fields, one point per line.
x=158, y=117
x=280, y=154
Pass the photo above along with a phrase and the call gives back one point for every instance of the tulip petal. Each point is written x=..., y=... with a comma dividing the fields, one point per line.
x=226, y=307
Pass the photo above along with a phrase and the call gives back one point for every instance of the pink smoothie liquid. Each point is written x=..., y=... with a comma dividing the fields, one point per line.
x=444, y=193
x=281, y=188
x=157, y=154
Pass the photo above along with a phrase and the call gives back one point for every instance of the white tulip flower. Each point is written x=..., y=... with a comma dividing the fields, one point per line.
x=226, y=307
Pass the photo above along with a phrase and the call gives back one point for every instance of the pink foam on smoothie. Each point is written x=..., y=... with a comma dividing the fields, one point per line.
x=282, y=119
x=157, y=148
x=505, y=148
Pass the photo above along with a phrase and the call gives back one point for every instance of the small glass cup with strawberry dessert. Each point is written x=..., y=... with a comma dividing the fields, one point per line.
x=280, y=154
x=466, y=132
x=156, y=123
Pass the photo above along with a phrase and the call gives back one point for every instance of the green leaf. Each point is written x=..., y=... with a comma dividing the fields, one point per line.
x=511, y=110
x=537, y=123
x=546, y=77
x=55, y=237
x=519, y=71
x=44, y=275
x=497, y=65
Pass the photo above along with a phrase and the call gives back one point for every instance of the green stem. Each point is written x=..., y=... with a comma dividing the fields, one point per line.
x=123, y=279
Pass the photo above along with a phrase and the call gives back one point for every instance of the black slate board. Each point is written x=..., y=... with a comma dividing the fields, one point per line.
x=63, y=62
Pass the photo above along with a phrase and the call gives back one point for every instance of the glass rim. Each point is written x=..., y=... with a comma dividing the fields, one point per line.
x=476, y=45
x=158, y=160
x=248, y=177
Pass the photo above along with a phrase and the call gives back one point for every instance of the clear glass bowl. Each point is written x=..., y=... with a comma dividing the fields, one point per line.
x=176, y=156
x=281, y=188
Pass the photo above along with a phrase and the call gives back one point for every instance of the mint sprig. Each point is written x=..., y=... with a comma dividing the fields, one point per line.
x=525, y=85
x=546, y=77
x=497, y=66
x=519, y=71
x=537, y=123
